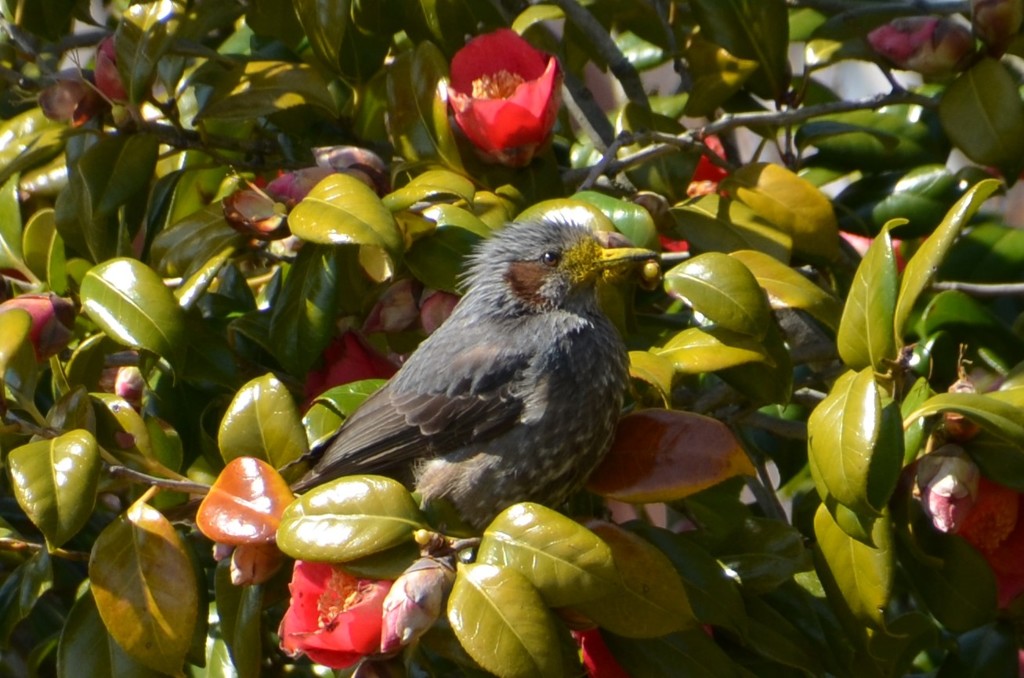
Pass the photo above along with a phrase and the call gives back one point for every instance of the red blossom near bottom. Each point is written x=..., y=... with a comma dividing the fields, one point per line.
x=995, y=527
x=334, y=618
x=597, y=658
x=348, y=358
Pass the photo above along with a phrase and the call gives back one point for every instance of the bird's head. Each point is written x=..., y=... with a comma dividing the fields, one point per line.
x=545, y=264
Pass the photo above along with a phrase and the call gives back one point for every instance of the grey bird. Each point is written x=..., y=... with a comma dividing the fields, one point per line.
x=516, y=396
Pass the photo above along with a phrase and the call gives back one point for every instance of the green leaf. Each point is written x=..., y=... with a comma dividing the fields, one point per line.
x=855, y=443
x=795, y=206
x=21, y=588
x=55, y=483
x=145, y=587
x=922, y=267
x=723, y=290
x=439, y=259
x=715, y=224
x=302, y=317
x=668, y=174
x=864, y=574
x=990, y=650
x=44, y=250
x=260, y=88
x=866, y=337
x=922, y=196
x=27, y=140
x=333, y=406
x=1003, y=419
x=653, y=369
x=650, y=599
x=130, y=302
x=694, y=350
x=141, y=39
x=503, y=623
x=693, y=654
x=349, y=518
x=565, y=561
x=787, y=288
x=342, y=210
x=10, y=225
x=418, y=108
x=263, y=422
x=763, y=554
x=629, y=218
x=239, y=612
x=717, y=75
x=757, y=30
x=431, y=186
x=18, y=369
x=983, y=115
x=185, y=246
x=86, y=648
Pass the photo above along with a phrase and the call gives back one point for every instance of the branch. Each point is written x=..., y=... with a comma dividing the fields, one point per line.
x=983, y=289
x=908, y=7
x=186, y=486
x=19, y=545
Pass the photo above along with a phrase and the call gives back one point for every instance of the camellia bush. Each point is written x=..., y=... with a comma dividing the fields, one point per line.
x=224, y=223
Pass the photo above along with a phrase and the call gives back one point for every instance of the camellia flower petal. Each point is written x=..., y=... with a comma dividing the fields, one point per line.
x=995, y=526
x=334, y=618
x=348, y=358
x=505, y=95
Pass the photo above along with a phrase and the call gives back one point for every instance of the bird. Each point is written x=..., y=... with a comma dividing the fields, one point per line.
x=515, y=397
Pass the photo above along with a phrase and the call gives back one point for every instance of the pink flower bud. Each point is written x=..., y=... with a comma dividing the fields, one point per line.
x=71, y=97
x=291, y=187
x=357, y=162
x=254, y=563
x=414, y=602
x=130, y=385
x=997, y=22
x=947, y=479
x=435, y=307
x=929, y=45
x=396, y=309
x=256, y=214
x=108, y=79
x=53, y=319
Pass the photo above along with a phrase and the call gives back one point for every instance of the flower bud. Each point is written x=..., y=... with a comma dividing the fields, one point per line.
x=254, y=563
x=396, y=309
x=130, y=385
x=292, y=187
x=996, y=22
x=357, y=162
x=435, y=307
x=931, y=46
x=414, y=602
x=108, y=79
x=255, y=214
x=959, y=428
x=53, y=319
x=71, y=97
x=947, y=480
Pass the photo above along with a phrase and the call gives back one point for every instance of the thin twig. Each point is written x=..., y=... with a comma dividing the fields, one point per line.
x=164, y=483
x=19, y=545
x=982, y=289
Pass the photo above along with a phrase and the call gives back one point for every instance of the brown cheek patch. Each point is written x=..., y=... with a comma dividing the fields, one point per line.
x=526, y=278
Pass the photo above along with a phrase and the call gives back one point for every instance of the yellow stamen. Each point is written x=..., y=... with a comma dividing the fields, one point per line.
x=500, y=85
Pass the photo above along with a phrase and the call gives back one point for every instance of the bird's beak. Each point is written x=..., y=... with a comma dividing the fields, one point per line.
x=613, y=257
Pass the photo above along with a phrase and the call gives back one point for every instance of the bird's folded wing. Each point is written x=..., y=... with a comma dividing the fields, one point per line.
x=393, y=428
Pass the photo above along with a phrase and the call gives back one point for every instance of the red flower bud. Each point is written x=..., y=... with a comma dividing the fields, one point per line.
x=948, y=482
x=130, y=385
x=334, y=618
x=108, y=80
x=505, y=95
x=435, y=307
x=256, y=214
x=53, y=319
x=926, y=44
x=996, y=22
x=414, y=602
x=396, y=309
x=291, y=187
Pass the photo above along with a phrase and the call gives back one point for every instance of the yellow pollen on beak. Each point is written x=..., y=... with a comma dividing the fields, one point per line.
x=500, y=85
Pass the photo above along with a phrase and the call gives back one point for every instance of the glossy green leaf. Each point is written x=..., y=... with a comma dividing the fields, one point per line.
x=28, y=139
x=855, y=443
x=431, y=186
x=690, y=653
x=141, y=40
x=723, y=290
x=302, y=321
x=185, y=246
x=145, y=587
x=18, y=370
x=715, y=224
x=349, y=518
x=763, y=554
x=983, y=115
x=921, y=196
x=10, y=225
x=21, y=589
x=653, y=369
x=779, y=640
x=439, y=259
x=768, y=381
x=717, y=75
x=922, y=267
x=333, y=406
x=998, y=417
x=342, y=210
x=786, y=288
x=87, y=648
x=503, y=623
x=104, y=177
x=55, y=483
x=565, y=561
x=629, y=218
x=650, y=599
x=418, y=108
x=44, y=250
x=389, y=564
x=239, y=613
x=130, y=302
x=793, y=205
x=262, y=421
x=694, y=350
x=259, y=88
x=864, y=574
x=758, y=31
x=866, y=336
x=953, y=317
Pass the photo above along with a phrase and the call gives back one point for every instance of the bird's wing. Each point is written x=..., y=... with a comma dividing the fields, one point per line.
x=469, y=400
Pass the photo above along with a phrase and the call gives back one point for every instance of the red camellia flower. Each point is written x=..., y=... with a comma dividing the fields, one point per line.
x=53, y=319
x=597, y=658
x=348, y=358
x=995, y=526
x=505, y=95
x=333, y=618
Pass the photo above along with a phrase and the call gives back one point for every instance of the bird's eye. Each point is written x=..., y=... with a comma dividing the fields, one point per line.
x=551, y=258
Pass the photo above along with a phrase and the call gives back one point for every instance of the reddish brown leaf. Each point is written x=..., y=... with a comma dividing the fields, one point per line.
x=664, y=455
x=245, y=505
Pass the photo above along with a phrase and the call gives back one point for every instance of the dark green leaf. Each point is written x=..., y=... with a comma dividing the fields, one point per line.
x=723, y=290
x=141, y=39
x=20, y=590
x=866, y=336
x=18, y=369
x=259, y=88
x=690, y=653
x=983, y=115
x=990, y=650
x=786, y=288
x=185, y=246
x=715, y=224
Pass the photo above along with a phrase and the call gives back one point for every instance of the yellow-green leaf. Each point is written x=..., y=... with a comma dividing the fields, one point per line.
x=262, y=421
